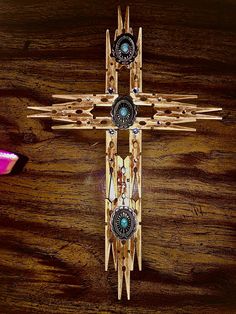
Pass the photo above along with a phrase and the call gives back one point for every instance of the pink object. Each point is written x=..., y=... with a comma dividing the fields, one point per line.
x=7, y=161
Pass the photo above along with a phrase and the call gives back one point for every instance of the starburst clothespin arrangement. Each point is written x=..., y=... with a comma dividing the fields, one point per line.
x=123, y=176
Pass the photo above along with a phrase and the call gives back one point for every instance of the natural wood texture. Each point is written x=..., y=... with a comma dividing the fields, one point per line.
x=78, y=112
x=124, y=258
x=111, y=66
x=168, y=115
x=111, y=195
x=135, y=150
x=52, y=214
x=136, y=79
x=123, y=188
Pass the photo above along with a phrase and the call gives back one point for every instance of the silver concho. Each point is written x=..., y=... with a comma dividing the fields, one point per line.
x=123, y=222
x=123, y=112
x=124, y=49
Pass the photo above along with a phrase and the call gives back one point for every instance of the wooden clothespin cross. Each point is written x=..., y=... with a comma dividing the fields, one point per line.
x=123, y=176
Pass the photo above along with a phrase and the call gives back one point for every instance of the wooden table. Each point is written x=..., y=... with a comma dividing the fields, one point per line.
x=52, y=213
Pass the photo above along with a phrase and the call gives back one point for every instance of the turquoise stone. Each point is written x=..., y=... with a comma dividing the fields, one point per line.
x=124, y=48
x=123, y=111
x=124, y=222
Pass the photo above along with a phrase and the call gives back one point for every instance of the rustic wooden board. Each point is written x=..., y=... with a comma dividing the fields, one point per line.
x=52, y=214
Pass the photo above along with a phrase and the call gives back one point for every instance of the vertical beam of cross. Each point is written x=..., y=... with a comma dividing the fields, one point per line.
x=123, y=188
x=135, y=149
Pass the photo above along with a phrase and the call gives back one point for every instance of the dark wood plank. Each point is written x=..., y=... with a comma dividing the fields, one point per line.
x=52, y=214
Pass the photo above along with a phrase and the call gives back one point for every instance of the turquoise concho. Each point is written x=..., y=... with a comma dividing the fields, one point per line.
x=123, y=222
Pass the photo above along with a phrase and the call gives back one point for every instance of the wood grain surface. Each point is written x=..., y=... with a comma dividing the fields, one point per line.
x=52, y=213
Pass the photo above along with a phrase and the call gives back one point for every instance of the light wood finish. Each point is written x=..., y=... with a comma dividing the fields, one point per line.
x=120, y=25
x=135, y=149
x=169, y=114
x=136, y=80
x=123, y=187
x=111, y=66
x=111, y=195
x=126, y=23
x=125, y=176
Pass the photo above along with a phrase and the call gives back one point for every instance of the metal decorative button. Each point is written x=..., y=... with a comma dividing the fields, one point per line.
x=123, y=222
x=123, y=112
x=124, y=49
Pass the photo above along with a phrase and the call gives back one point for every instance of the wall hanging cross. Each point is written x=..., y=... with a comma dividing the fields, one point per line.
x=123, y=176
